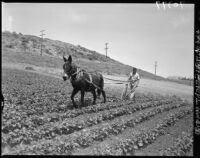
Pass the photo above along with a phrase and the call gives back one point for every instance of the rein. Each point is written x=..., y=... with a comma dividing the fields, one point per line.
x=117, y=80
x=78, y=70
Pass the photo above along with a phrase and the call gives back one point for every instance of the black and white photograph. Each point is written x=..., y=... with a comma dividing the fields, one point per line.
x=97, y=79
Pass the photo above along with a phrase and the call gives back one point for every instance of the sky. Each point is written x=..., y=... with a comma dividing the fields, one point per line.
x=137, y=34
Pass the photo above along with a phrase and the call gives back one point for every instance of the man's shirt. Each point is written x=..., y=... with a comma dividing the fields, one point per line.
x=134, y=77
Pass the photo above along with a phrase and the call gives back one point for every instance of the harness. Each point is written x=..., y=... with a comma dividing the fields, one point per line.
x=90, y=77
x=79, y=73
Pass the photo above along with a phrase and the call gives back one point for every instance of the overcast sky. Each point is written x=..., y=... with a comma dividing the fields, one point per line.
x=137, y=34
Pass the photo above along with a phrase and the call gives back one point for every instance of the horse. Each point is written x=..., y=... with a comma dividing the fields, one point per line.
x=83, y=81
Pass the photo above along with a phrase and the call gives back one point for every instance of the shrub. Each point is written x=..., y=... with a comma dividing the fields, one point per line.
x=90, y=58
x=80, y=53
x=9, y=46
x=24, y=43
x=15, y=35
x=29, y=68
x=48, y=52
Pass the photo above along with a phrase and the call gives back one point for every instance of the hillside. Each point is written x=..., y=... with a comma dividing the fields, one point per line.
x=26, y=49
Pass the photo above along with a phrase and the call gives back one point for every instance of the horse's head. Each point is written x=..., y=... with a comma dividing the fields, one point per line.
x=68, y=68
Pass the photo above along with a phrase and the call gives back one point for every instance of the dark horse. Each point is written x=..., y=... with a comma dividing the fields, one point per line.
x=83, y=81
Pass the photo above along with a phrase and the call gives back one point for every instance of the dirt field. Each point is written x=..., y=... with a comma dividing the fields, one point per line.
x=156, y=87
x=146, y=85
x=39, y=118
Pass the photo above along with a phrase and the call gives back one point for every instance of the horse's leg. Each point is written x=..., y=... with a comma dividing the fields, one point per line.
x=98, y=93
x=72, y=96
x=82, y=97
x=104, y=95
x=134, y=99
x=94, y=96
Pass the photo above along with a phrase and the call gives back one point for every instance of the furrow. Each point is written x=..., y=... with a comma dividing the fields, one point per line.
x=140, y=139
x=182, y=145
x=85, y=138
x=66, y=127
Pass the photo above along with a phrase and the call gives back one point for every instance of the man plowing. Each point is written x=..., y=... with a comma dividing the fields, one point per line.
x=133, y=82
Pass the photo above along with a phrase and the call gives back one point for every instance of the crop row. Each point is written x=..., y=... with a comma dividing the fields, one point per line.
x=29, y=102
x=108, y=106
x=38, y=104
x=38, y=94
x=85, y=138
x=16, y=119
x=86, y=110
x=36, y=121
x=181, y=146
x=26, y=89
x=93, y=109
x=52, y=129
x=36, y=108
x=140, y=139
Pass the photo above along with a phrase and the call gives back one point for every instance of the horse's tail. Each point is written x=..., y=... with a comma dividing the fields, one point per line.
x=100, y=86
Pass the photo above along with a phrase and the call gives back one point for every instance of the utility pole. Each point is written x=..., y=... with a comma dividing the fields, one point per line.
x=42, y=34
x=155, y=66
x=106, y=48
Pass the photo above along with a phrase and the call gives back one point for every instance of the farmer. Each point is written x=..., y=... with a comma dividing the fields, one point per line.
x=133, y=80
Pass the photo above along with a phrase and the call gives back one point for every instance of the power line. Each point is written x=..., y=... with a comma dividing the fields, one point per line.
x=41, y=41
